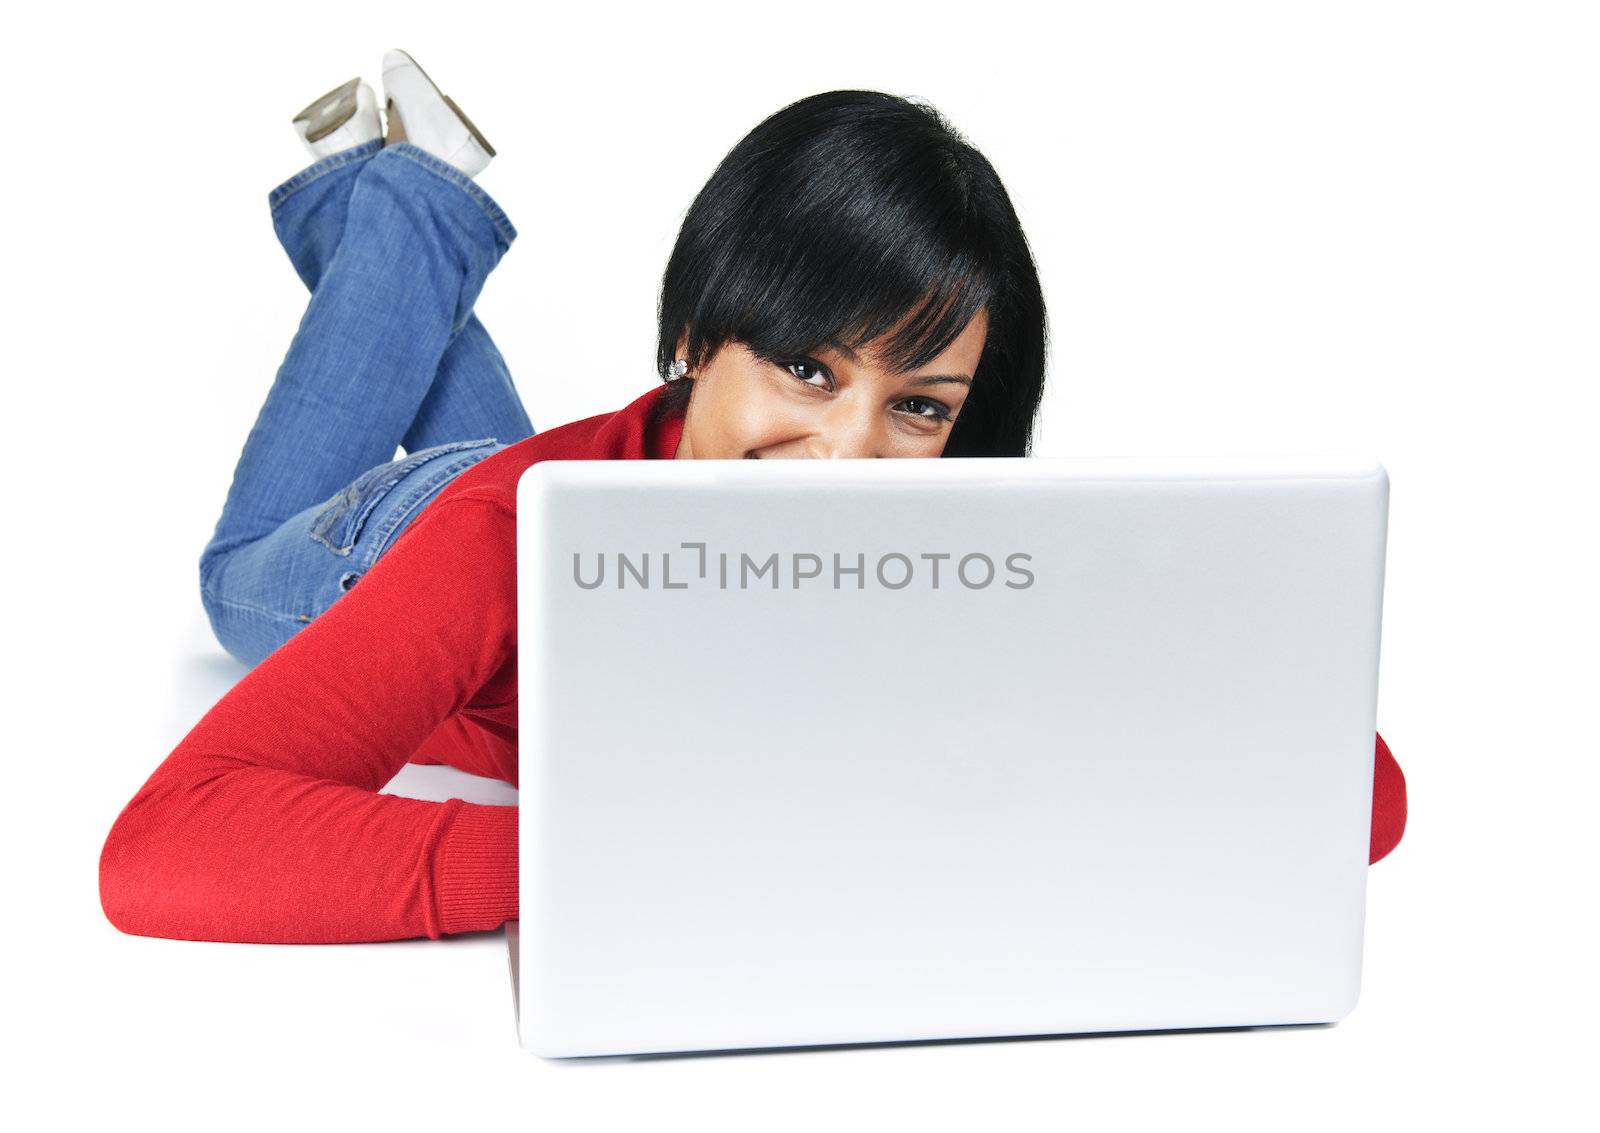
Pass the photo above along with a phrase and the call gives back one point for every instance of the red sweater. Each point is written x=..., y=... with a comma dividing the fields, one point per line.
x=266, y=823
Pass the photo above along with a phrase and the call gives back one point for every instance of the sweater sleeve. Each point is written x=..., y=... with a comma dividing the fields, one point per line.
x=265, y=823
x=1388, y=803
x=457, y=743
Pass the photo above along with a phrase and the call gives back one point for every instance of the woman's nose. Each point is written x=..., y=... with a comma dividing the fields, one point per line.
x=843, y=436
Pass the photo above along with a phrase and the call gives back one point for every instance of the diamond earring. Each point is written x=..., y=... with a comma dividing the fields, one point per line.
x=677, y=370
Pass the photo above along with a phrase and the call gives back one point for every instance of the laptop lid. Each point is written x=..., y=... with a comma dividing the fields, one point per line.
x=847, y=751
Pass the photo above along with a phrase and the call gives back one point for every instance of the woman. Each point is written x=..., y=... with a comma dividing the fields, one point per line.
x=851, y=282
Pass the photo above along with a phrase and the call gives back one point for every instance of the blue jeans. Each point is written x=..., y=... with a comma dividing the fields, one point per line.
x=395, y=246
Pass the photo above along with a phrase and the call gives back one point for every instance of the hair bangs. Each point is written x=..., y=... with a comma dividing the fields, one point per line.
x=905, y=305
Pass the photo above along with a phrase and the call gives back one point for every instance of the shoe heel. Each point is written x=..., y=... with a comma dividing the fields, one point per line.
x=328, y=113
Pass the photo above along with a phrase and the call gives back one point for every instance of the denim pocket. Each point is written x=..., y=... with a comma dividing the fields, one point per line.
x=339, y=524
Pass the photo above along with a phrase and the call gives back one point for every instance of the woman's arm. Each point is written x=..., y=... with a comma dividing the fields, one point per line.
x=1388, y=803
x=265, y=823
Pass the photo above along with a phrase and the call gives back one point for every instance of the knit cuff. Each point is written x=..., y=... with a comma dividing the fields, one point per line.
x=475, y=871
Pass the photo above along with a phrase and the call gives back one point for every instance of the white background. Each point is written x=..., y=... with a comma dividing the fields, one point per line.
x=1262, y=228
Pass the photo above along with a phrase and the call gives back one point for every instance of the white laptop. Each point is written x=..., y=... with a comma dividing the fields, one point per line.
x=854, y=751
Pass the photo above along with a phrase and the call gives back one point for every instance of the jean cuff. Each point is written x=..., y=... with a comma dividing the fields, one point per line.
x=327, y=165
x=497, y=216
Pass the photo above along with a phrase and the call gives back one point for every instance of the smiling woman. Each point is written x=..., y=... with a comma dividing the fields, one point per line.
x=835, y=403
x=852, y=282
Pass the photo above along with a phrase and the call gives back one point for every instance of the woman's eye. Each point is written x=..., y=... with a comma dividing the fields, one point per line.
x=940, y=411
x=793, y=366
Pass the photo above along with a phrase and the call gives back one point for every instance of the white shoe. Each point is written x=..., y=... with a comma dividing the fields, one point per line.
x=428, y=117
x=346, y=116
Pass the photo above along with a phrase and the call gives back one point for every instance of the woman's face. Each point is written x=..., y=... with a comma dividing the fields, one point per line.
x=827, y=404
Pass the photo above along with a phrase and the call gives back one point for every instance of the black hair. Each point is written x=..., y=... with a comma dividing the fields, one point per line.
x=839, y=217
